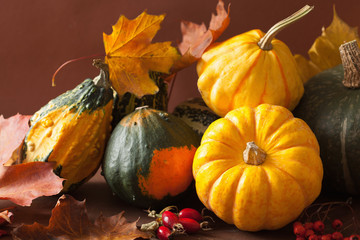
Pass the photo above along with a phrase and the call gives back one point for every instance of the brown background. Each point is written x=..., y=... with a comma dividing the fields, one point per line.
x=38, y=36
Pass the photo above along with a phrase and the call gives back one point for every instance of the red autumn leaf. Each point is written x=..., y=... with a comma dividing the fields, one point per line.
x=12, y=132
x=22, y=183
x=69, y=220
x=196, y=38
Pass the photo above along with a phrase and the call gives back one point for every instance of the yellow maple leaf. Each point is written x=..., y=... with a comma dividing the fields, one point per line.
x=131, y=55
x=324, y=53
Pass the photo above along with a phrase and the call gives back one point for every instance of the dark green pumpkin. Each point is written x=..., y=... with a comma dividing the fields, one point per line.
x=148, y=158
x=196, y=114
x=128, y=102
x=333, y=113
x=71, y=130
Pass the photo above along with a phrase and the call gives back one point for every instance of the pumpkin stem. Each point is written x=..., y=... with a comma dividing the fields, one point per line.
x=253, y=154
x=350, y=57
x=265, y=42
x=103, y=78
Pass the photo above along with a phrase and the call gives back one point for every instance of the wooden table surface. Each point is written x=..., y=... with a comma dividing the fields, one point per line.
x=99, y=199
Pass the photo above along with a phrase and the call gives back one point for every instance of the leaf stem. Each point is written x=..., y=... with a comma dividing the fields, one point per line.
x=171, y=87
x=70, y=61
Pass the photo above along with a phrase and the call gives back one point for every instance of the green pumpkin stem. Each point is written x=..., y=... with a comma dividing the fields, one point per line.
x=350, y=57
x=103, y=78
x=253, y=154
x=265, y=42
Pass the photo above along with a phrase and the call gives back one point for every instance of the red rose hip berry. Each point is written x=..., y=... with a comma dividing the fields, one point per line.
x=190, y=225
x=169, y=219
x=190, y=213
x=163, y=233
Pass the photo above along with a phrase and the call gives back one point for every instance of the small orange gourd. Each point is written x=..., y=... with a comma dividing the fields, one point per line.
x=250, y=69
x=258, y=168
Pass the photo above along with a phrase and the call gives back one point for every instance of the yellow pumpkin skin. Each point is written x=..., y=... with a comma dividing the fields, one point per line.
x=237, y=72
x=72, y=131
x=258, y=197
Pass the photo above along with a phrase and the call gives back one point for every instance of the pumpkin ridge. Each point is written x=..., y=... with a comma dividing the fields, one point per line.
x=270, y=137
x=217, y=179
x=260, y=33
x=298, y=146
x=264, y=92
x=240, y=134
x=268, y=182
x=203, y=169
x=246, y=76
x=221, y=142
x=237, y=129
x=297, y=182
x=279, y=148
x=237, y=187
x=287, y=92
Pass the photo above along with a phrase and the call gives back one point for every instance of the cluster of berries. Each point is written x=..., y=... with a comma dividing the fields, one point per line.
x=169, y=223
x=316, y=231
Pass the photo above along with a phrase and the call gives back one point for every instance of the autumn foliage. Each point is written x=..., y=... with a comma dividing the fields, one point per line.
x=69, y=220
x=21, y=183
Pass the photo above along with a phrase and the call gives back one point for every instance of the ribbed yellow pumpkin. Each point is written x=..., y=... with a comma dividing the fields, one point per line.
x=258, y=168
x=250, y=69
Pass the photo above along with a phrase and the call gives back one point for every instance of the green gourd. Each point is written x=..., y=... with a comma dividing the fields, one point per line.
x=331, y=107
x=148, y=158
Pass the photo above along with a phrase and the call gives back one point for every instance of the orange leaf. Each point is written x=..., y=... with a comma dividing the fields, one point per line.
x=196, y=38
x=22, y=183
x=69, y=220
x=131, y=55
x=324, y=53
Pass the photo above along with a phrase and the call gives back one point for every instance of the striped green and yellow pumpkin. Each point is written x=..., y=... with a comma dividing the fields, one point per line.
x=148, y=159
x=196, y=114
x=72, y=131
x=250, y=69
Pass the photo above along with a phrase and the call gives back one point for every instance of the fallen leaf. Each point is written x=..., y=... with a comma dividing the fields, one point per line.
x=21, y=183
x=69, y=220
x=12, y=132
x=196, y=38
x=324, y=53
x=131, y=55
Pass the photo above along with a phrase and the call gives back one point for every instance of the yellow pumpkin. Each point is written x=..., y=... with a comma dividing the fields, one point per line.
x=258, y=168
x=250, y=69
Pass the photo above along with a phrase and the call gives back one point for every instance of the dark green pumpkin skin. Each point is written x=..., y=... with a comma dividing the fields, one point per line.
x=196, y=114
x=130, y=153
x=128, y=102
x=333, y=112
x=85, y=96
